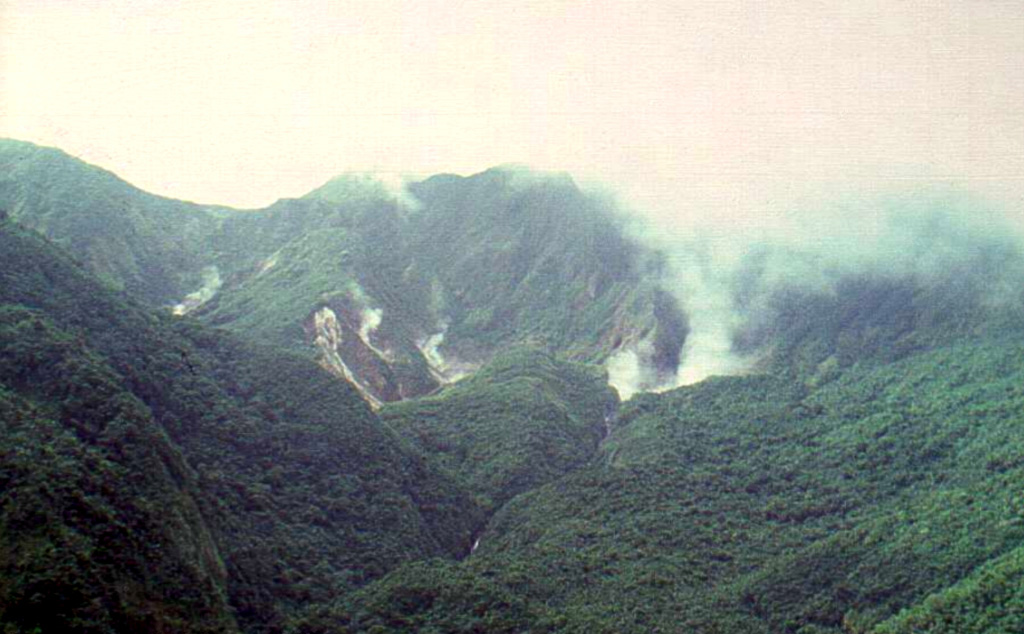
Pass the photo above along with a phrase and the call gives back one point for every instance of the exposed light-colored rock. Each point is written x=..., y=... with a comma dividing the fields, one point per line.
x=327, y=338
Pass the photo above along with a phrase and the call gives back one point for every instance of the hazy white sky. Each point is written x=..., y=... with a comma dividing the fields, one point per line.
x=690, y=108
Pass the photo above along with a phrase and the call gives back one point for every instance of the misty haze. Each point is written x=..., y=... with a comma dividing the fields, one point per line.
x=333, y=317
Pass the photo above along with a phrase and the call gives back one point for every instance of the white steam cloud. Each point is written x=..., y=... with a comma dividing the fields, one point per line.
x=923, y=234
x=626, y=373
x=369, y=321
x=396, y=185
x=443, y=370
x=211, y=284
x=712, y=319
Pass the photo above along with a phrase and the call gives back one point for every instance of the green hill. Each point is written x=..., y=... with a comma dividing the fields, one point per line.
x=420, y=287
x=755, y=505
x=148, y=246
x=537, y=261
x=950, y=280
x=829, y=493
x=159, y=475
x=518, y=423
x=207, y=473
x=989, y=600
x=424, y=294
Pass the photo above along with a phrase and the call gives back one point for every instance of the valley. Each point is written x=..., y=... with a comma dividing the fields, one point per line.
x=370, y=410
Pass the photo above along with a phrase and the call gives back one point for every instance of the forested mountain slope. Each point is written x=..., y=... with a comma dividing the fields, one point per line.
x=158, y=475
x=520, y=422
x=397, y=293
x=826, y=498
x=149, y=246
x=416, y=291
x=862, y=474
x=536, y=259
x=942, y=279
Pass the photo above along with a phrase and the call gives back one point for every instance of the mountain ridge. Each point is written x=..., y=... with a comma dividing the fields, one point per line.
x=390, y=259
x=861, y=475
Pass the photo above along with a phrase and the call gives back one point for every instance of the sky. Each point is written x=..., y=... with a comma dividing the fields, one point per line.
x=720, y=112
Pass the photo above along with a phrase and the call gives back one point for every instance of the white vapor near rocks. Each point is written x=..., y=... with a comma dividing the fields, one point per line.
x=211, y=284
x=369, y=321
x=443, y=370
x=626, y=372
x=929, y=234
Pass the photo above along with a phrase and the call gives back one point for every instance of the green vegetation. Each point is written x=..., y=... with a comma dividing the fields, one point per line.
x=520, y=422
x=101, y=529
x=272, y=305
x=161, y=474
x=951, y=292
x=151, y=247
x=989, y=601
x=499, y=259
x=244, y=472
x=757, y=504
x=539, y=262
